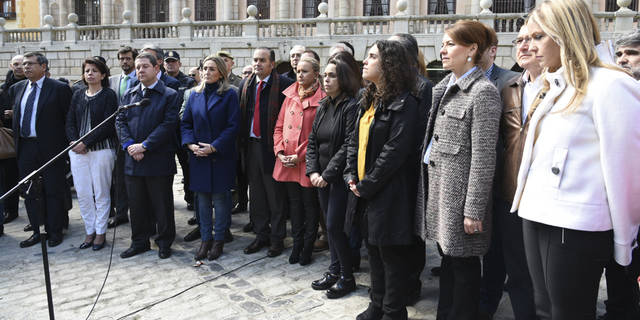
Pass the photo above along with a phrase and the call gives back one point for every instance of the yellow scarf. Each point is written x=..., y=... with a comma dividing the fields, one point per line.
x=363, y=139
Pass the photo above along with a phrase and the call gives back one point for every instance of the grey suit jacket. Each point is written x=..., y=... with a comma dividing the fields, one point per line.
x=464, y=125
x=114, y=84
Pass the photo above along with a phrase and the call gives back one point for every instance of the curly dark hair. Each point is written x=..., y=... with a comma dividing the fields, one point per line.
x=398, y=76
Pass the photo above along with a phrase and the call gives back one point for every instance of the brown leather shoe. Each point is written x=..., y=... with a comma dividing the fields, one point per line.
x=204, y=248
x=320, y=245
x=216, y=251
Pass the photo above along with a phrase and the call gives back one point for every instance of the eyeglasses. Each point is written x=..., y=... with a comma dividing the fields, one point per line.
x=247, y=73
x=193, y=75
x=521, y=41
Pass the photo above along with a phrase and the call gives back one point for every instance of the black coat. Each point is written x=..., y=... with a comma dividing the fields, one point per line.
x=51, y=114
x=388, y=190
x=341, y=133
x=155, y=125
x=105, y=104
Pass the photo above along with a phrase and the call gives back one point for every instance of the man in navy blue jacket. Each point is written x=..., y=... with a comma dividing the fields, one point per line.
x=148, y=135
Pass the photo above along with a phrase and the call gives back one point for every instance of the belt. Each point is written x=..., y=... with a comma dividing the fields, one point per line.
x=28, y=138
x=254, y=139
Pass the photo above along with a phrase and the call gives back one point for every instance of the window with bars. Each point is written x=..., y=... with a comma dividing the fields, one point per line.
x=310, y=8
x=154, y=11
x=8, y=9
x=264, y=7
x=88, y=12
x=612, y=5
x=511, y=6
x=376, y=7
x=205, y=10
x=442, y=6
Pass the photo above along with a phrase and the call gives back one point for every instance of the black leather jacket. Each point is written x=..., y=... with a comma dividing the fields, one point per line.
x=342, y=130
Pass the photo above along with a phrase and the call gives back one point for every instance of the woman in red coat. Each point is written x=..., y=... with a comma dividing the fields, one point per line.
x=290, y=139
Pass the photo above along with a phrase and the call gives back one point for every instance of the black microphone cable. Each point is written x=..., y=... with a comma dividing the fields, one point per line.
x=113, y=245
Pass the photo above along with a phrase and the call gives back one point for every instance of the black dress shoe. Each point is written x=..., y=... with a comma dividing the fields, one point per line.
x=192, y=221
x=34, y=239
x=10, y=216
x=190, y=206
x=97, y=247
x=255, y=246
x=228, y=237
x=372, y=313
x=248, y=227
x=54, y=240
x=435, y=271
x=28, y=228
x=132, y=251
x=85, y=245
x=116, y=221
x=275, y=250
x=1, y=230
x=341, y=288
x=324, y=283
x=164, y=253
x=193, y=235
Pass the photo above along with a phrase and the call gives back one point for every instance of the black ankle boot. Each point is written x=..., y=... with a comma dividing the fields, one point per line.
x=216, y=250
x=305, y=256
x=295, y=253
x=202, y=252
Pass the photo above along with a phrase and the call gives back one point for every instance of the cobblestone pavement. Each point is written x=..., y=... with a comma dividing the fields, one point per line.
x=236, y=286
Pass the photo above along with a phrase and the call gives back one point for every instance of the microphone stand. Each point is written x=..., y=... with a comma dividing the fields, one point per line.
x=30, y=181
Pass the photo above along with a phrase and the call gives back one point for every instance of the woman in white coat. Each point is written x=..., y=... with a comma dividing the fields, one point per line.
x=579, y=180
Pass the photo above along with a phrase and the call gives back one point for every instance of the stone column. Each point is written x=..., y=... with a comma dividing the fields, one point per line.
x=228, y=10
x=64, y=12
x=475, y=7
x=344, y=9
x=174, y=11
x=44, y=10
x=283, y=9
x=106, y=11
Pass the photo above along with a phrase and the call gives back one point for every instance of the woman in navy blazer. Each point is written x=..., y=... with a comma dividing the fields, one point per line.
x=209, y=127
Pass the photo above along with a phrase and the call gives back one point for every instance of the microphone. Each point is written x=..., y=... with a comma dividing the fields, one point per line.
x=141, y=103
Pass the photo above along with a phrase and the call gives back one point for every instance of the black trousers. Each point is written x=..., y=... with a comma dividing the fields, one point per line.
x=389, y=279
x=151, y=200
x=242, y=186
x=183, y=159
x=120, y=199
x=333, y=201
x=566, y=266
x=267, y=198
x=459, y=288
x=47, y=208
x=303, y=203
x=623, y=294
x=506, y=257
x=9, y=169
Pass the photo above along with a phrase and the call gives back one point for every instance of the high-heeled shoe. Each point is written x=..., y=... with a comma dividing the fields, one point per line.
x=98, y=246
x=89, y=243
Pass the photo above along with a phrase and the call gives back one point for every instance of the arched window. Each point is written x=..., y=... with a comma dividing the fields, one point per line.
x=88, y=12
x=310, y=8
x=8, y=9
x=375, y=7
x=154, y=11
x=442, y=6
x=264, y=7
x=612, y=5
x=205, y=10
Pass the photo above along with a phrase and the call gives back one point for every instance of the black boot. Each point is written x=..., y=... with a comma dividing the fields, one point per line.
x=295, y=253
x=216, y=250
x=204, y=248
x=307, y=251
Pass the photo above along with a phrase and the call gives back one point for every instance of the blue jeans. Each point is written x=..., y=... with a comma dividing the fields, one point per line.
x=222, y=205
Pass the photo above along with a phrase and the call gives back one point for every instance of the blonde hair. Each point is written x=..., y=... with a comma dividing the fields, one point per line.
x=222, y=70
x=572, y=26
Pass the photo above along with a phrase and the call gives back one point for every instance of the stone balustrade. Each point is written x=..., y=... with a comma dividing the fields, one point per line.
x=67, y=46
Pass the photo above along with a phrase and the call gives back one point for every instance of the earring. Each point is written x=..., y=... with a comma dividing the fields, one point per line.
x=468, y=59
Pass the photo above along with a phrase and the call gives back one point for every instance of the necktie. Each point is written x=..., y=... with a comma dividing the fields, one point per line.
x=256, y=112
x=123, y=84
x=25, y=127
x=145, y=93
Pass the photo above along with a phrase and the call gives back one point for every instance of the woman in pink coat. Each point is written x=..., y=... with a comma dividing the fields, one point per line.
x=290, y=140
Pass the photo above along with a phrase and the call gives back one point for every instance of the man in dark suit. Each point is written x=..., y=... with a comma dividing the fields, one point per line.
x=40, y=106
x=148, y=135
x=260, y=101
x=493, y=263
x=120, y=84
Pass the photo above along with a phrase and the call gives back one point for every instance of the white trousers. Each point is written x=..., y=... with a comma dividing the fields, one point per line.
x=92, y=180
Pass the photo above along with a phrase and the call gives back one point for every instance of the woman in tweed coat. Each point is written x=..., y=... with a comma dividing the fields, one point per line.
x=459, y=159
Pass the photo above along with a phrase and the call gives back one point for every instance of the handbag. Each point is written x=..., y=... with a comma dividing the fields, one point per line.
x=7, y=144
